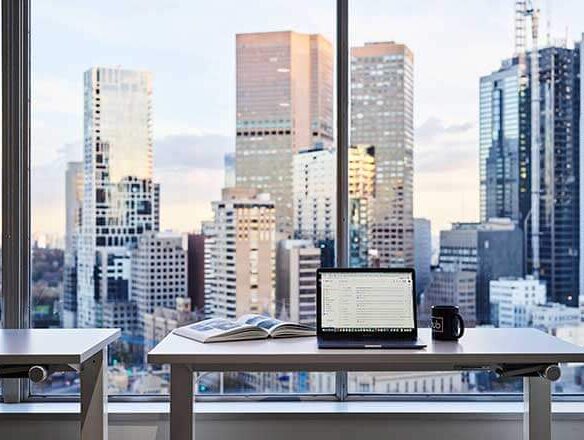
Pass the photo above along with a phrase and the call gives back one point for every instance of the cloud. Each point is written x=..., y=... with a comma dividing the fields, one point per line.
x=186, y=151
x=445, y=147
x=446, y=171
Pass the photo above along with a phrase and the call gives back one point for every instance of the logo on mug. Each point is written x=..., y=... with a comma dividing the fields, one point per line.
x=437, y=324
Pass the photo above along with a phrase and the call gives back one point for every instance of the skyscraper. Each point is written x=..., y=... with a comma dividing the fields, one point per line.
x=243, y=254
x=382, y=104
x=503, y=188
x=120, y=201
x=284, y=105
x=505, y=156
x=73, y=199
x=423, y=253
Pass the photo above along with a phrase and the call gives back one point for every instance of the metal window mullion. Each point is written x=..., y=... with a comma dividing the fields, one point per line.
x=15, y=174
x=342, y=232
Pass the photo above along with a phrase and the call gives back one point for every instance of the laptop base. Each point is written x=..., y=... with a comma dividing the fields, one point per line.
x=370, y=344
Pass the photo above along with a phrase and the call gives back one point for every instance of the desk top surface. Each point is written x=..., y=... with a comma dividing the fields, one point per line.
x=480, y=347
x=53, y=346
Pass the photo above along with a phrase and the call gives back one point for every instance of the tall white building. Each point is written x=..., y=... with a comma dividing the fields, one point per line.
x=158, y=273
x=120, y=200
x=314, y=194
x=296, y=265
x=512, y=298
x=73, y=199
x=243, y=255
x=382, y=114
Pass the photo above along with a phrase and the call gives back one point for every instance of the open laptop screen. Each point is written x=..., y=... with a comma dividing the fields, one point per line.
x=367, y=302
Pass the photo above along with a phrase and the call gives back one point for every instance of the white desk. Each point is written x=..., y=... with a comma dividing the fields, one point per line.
x=485, y=348
x=84, y=350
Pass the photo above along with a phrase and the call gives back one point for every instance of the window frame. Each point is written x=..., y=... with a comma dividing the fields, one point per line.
x=16, y=214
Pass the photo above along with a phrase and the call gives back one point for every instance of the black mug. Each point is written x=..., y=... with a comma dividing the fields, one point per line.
x=447, y=324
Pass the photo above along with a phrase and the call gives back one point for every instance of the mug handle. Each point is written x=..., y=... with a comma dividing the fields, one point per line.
x=458, y=318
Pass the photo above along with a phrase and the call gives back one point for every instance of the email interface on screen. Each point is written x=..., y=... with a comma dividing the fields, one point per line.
x=367, y=302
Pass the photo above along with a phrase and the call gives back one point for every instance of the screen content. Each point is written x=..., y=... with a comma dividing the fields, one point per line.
x=367, y=302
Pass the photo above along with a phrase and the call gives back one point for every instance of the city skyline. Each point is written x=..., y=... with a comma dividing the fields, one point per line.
x=191, y=151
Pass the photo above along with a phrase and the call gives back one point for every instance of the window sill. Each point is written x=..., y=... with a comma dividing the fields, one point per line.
x=235, y=410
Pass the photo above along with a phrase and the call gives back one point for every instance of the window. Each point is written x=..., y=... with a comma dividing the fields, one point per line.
x=216, y=140
x=190, y=173
x=425, y=110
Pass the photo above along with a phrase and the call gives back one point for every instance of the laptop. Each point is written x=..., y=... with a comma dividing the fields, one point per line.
x=366, y=308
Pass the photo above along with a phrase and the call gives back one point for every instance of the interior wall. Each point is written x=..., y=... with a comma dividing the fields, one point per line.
x=290, y=427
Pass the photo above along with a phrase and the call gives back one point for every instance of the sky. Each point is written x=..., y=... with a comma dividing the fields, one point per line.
x=189, y=46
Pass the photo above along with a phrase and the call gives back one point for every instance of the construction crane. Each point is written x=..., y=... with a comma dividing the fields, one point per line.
x=524, y=9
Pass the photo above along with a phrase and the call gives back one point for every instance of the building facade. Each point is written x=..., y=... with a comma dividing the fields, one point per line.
x=296, y=265
x=512, y=298
x=73, y=201
x=361, y=202
x=196, y=271
x=120, y=200
x=451, y=287
x=423, y=253
x=505, y=149
x=158, y=273
x=382, y=104
x=243, y=257
x=284, y=105
x=314, y=194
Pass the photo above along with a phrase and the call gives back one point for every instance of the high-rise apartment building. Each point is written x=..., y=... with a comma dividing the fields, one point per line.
x=361, y=202
x=243, y=256
x=382, y=107
x=120, y=200
x=423, y=253
x=158, y=273
x=296, y=265
x=73, y=200
x=284, y=105
x=314, y=195
x=505, y=150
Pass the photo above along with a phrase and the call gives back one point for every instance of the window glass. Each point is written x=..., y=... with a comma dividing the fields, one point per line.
x=182, y=169
x=451, y=130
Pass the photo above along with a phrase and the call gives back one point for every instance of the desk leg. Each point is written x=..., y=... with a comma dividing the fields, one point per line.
x=181, y=402
x=94, y=397
x=537, y=412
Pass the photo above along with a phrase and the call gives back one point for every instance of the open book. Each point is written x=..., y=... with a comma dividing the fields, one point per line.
x=245, y=328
